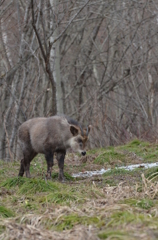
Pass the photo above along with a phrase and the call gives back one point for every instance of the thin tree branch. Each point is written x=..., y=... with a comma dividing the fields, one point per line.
x=37, y=35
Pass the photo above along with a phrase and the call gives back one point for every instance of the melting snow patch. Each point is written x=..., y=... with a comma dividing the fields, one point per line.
x=100, y=172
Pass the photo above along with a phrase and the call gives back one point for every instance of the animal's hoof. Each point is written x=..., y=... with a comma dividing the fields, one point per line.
x=20, y=175
x=62, y=180
x=28, y=175
x=48, y=177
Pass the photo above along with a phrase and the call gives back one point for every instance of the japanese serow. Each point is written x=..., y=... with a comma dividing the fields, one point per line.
x=48, y=136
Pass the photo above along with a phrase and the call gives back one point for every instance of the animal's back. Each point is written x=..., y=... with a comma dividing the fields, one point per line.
x=25, y=129
x=42, y=133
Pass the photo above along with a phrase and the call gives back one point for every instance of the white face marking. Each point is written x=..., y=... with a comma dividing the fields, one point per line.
x=74, y=145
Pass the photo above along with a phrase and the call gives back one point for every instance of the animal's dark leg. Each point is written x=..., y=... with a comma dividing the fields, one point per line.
x=60, y=158
x=21, y=171
x=25, y=164
x=27, y=160
x=24, y=167
x=50, y=163
x=27, y=169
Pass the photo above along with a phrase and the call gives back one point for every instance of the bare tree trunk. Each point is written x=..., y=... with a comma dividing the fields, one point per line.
x=46, y=56
x=55, y=55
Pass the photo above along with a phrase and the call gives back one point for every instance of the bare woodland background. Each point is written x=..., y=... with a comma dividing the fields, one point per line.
x=96, y=61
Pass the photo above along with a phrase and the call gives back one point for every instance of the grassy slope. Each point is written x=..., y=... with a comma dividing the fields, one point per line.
x=116, y=205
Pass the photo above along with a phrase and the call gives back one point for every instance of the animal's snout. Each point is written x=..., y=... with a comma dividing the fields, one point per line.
x=84, y=153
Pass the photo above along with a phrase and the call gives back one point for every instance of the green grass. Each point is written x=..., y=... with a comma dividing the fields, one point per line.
x=144, y=150
x=152, y=173
x=137, y=143
x=121, y=154
x=5, y=212
x=67, y=222
x=116, y=171
x=113, y=234
x=141, y=203
x=63, y=196
x=29, y=185
x=66, y=175
x=95, y=204
x=121, y=218
x=2, y=229
x=108, y=156
x=145, y=203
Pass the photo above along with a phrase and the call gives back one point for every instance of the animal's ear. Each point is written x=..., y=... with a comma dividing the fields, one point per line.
x=74, y=130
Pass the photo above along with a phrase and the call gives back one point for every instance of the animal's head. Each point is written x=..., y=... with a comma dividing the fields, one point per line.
x=79, y=138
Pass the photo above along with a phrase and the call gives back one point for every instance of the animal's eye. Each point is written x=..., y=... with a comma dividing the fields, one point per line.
x=80, y=140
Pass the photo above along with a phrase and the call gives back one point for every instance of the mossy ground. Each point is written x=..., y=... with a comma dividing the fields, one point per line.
x=119, y=204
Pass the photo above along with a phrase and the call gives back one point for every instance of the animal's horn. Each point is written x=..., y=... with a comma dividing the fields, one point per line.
x=87, y=131
x=81, y=130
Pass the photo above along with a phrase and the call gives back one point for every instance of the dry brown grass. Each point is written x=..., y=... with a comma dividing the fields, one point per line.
x=26, y=231
x=34, y=227
x=106, y=201
x=117, y=206
x=150, y=187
